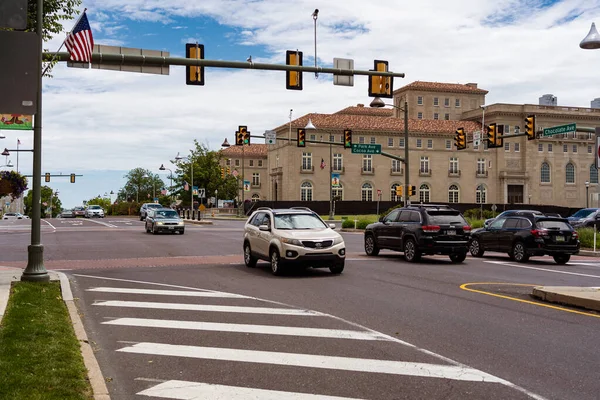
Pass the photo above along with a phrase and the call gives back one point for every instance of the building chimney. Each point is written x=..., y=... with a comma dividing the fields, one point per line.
x=472, y=85
x=360, y=105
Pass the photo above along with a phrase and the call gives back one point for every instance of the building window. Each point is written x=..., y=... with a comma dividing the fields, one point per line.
x=331, y=138
x=436, y=101
x=367, y=165
x=549, y=147
x=481, y=166
x=436, y=116
x=420, y=100
x=453, y=194
x=255, y=197
x=517, y=147
x=419, y=143
x=338, y=192
x=366, y=192
x=574, y=148
x=481, y=194
x=306, y=191
x=228, y=161
x=507, y=146
x=396, y=166
x=419, y=115
x=255, y=179
x=430, y=143
x=448, y=144
x=446, y=102
x=540, y=147
x=424, y=166
x=361, y=140
x=260, y=163
x=545, y=173
x=593, y=174
x=447, y=117
x=565, y=149
x=570, y=173
x=401, y=142
x=237, y=163
x=457, y=103
x=506, y=129
x=589, y=149
x=313, y=137
x=453, y=168
x=337, y=162
x=373, y=140
x=485, y=145
x=390, y=142
x=251, y=163
x=424, y=193
x=307, y=161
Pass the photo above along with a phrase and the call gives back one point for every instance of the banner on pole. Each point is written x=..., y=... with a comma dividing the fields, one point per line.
x=16, y=121
x=335, y=180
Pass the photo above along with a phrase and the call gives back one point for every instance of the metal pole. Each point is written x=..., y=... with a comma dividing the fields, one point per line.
x=35, y=270
x=330, y=183
x=243, y=177
x=587, y=197
x=406, y=169
x=192, y=186
x=315, y=15
x=18, y=142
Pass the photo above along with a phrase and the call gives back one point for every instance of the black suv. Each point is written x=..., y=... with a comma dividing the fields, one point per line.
x=420, y=230
x=525, y=235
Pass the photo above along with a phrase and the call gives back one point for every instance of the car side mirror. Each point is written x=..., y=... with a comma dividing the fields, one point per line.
x=381, y=219
x=264, y=228
x=332, y=226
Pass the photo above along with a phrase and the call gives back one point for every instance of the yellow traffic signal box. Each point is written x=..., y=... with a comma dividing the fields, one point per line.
x=293, y=79
x=301, y=137
x=530, y=127
x=72, y=178
x=398, y=190
x=461, y=139
x=347, y=138
x=194, y=75
x=47, y=177
x=381, y=86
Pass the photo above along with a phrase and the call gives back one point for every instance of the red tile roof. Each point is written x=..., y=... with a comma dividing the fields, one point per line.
x=360, y=109
x=255, y=150
x=442, y=87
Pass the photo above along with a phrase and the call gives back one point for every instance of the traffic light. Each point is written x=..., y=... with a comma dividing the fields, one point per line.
x=239, y=137
x=301, y=137
x=194, y=75
x=228, y=170
x=245, y=135
x=493, y=138
x=222, y=172
x=47, y=177
x=72, y=178
x=347, y=139
x=412, y=190
x=381, y=86
x=293, y=79
x=461, y=139
x=398, y=190
x=530, y=127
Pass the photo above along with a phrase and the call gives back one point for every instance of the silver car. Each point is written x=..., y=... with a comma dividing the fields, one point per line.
x=145, y=207
x=164, y=220
x=94, y=211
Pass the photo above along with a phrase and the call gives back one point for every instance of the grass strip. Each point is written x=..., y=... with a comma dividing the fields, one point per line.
x=40, y=357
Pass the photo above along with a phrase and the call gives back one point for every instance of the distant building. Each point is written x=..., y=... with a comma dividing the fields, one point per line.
x=595, y=103
x=548, y=100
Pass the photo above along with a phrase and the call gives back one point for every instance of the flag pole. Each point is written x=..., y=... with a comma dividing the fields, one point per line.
x=18, y=143
x=63, y=43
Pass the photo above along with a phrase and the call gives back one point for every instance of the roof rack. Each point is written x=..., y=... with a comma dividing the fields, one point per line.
x=264, y=208
x=300, y=208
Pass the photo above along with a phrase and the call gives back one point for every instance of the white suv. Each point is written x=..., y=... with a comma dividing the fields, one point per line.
x=292, y=236
x=94, y=211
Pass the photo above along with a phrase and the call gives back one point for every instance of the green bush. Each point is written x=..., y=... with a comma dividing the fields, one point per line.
x=348, y=223
x=586, y=237
x=475, y=223
x=475, y=213
x=362, y=223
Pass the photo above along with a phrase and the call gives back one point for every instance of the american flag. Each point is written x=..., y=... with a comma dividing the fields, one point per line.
x=163, y=191
x=186, y=187
x=322, y=163
x=80, y=41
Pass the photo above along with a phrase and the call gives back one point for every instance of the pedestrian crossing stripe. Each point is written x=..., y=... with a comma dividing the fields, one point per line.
x=185, y=293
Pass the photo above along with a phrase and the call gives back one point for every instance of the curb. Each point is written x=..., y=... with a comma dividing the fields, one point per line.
x=553, y=296
x=589, y=253
x=196, y=222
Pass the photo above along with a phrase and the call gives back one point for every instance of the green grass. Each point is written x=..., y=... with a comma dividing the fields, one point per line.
x=40, y=357
x=586, y=237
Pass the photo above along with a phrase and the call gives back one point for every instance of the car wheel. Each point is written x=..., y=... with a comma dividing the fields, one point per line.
x=147, y=229
x=518, y=252
x=337, y=268
x=182, y=232
x=458, y=257
x=475, y=248
x=249, y=260
x=371, y=246
x=141, y=217
x=276, y=268
x=411, y=253
x=154, y=231
x=561, y=258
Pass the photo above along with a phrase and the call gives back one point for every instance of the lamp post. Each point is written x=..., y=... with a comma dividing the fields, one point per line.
x=587, y=195
x=378, y=103
x=162, y=168
x=9, y=165
x=191, y=161
x=592, y=40
x=217, y=198
x=153, y=185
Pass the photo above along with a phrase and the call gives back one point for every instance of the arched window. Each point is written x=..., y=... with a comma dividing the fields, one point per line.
x=593, y=174
x=255, y=197
x=393, y=195
x=545, y=173
x=570, y=173
x=453, y=194
x=338, y=192
x=481, y=194
x=367, y=192
x=306, y=191
x=424, y=193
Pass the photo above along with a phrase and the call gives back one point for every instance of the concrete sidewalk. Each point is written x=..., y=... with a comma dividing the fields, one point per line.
x=583, y=297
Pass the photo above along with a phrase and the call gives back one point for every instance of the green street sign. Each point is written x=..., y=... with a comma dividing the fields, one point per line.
x=366, y=148
x=557, y=130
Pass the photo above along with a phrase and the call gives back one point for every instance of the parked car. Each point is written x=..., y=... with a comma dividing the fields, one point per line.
x=145, y=207
x=293, y=236
x=163, y=220
x=511, y=212
x=79, y=211
x=526, y=235
x=94, y=211
x=11, y=215
x=66, y=214
x=420, y=230
x=586, y=217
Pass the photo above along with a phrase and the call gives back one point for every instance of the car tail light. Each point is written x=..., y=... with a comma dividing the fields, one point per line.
x=431, y=228
x=539, y=232
x=575, y=235
x=467, y=228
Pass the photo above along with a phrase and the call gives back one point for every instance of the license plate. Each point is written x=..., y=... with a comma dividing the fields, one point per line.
x=451, y=232
x=559, y=238
x=171, y=227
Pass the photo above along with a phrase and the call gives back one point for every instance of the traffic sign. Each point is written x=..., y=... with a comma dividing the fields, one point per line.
x=201, y=193
x=366, y=148
x=557, y=130
x=270, y=137
x=123, y=65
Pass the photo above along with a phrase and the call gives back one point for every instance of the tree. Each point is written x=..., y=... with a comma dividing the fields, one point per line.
x=141, y=184
x=48, y=197
x=12, y=183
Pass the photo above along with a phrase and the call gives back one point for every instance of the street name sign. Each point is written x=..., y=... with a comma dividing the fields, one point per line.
x=124, y=66
x=366, y=148
x=561, y=129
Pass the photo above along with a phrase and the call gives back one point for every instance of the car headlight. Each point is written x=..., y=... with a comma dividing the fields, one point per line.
x=160, y=223
x=180, y=223
x=295, y=242
x=338, y=240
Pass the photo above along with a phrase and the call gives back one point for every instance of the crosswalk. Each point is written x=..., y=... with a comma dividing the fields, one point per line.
x=186, y=343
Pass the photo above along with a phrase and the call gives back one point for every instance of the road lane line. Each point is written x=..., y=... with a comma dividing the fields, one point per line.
x=52, y=226
x=248, y=328
x=541, y=269
x=203, y=307
x=166, y=292
x=184, y=390
x=405, y=368
x=102, y=223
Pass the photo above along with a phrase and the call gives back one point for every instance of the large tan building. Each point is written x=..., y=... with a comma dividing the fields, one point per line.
x=551, y=170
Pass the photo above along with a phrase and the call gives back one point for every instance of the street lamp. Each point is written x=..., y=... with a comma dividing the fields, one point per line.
x=587, y=195
x=592, y=40
x=190, y=160
x=378, y=103
x=162, y=168
x=153, y=185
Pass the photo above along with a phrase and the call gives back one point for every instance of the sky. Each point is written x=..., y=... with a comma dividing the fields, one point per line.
x=101, y=124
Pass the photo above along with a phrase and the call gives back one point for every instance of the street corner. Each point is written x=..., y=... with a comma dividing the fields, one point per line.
x=575, y=296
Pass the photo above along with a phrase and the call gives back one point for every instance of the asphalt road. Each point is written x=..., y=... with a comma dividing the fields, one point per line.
x=173, y=316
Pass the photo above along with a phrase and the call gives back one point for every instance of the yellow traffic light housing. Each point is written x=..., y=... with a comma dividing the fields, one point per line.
x=493, y=137
x=347, y=138
x=194, y=75
x=228, y=170
x=460, y=139
x=398, y=190
x=301, y=137
x=222, y=172
x=239, y=137
x=47, y=177
x=381, y=86
x=245, y=135
x=293, y=79
x=72, y=178
x=530, y=127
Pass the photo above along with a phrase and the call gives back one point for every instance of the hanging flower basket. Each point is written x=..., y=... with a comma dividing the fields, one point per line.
x=12, y=183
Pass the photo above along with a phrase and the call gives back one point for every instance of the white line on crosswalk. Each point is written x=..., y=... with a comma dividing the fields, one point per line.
x=183, y=390
x=165, y=292
x=248, y=328
x=556, y=271
x=204, y=307
x=453, y=372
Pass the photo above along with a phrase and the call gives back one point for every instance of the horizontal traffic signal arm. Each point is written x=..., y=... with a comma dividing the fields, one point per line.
x=131, y=59
x=54, y=175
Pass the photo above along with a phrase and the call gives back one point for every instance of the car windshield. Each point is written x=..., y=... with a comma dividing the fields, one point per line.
x=446, y=217
x=298, y=221
x=153, y=205
x=550, y=224
x=583, y=213
x=166, y=214
x=95, y=207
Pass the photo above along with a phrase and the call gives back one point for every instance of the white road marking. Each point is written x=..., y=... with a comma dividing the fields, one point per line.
x=165, y=292
x=248, y=328
x=53, y=227
x=203, y=307
x=182, y=390
x=542, y=269
x=102, y=223
x=453, y=372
